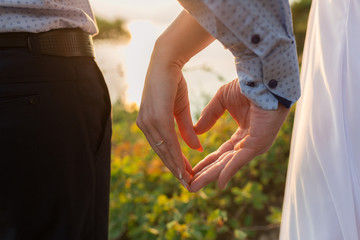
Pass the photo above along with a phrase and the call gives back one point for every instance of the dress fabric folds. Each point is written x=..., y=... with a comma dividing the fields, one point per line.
x=322, y=196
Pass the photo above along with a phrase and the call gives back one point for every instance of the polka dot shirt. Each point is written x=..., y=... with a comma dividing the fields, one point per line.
x=260, y=36
x=44, y=15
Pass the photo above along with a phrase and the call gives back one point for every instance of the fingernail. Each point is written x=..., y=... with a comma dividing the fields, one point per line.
x=200, y=149
x=186, y=186
x=179, y=173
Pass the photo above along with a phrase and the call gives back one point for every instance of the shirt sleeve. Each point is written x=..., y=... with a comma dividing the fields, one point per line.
x=260, y=36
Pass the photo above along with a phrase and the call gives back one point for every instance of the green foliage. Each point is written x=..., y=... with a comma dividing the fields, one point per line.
x=147, y=202
x=112, y=29
x=300, y=12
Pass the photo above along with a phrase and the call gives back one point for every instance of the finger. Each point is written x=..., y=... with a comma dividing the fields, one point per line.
x=220, y=158
x=227, y=146
x=186, y=129
x=211, y=113
x=163, y=153
x=206, y=168
x=151, y=131
x=239, y=159
x=189, y=171
x=206, y=162
x=211, y=174
x=151, y=134
x=167, y=133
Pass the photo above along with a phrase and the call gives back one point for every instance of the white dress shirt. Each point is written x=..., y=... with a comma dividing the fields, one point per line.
x=259, y=34
x=44, y=15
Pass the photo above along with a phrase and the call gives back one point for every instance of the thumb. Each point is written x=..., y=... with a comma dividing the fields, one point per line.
x=210, y=114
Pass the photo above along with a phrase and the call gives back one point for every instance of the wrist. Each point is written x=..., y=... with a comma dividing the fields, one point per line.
x=182, y=40
x=166, y=52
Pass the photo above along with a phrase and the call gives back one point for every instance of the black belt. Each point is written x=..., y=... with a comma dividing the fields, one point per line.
x=69, y=42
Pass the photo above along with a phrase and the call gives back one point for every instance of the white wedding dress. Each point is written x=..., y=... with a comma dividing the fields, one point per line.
x=322, y=197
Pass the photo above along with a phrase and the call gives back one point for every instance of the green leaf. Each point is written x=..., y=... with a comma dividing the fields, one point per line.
x=239, y=234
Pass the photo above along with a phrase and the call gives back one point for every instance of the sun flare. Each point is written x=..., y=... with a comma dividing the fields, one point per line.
x=137, y=55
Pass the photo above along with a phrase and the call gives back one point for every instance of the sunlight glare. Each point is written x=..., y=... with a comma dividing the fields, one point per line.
x=137, y=55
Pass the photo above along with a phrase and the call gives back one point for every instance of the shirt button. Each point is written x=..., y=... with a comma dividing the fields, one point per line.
x=273, y=83
x=255, y=39
x=250, y=84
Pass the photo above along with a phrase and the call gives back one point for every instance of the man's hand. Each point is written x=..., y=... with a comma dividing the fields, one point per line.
x=257, y=131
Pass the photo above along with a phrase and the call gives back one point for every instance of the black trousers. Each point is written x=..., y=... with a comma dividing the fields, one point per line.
x=55, y=132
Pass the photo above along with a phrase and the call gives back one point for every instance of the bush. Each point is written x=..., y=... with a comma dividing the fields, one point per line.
x=112, y=30
x=147, y=202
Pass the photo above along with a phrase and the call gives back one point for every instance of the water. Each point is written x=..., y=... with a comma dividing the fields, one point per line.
x=124, y=66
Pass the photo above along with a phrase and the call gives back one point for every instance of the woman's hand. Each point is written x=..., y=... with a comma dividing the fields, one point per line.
x=257, y=131
x=165, y=94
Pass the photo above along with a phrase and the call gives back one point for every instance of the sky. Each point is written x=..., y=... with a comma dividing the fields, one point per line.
x=158, y=11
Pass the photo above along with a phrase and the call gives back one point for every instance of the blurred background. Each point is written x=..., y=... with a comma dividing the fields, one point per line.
x=146, y=201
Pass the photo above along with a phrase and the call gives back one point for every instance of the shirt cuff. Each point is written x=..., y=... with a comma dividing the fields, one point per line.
x=262, y=43
x=270, y=80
